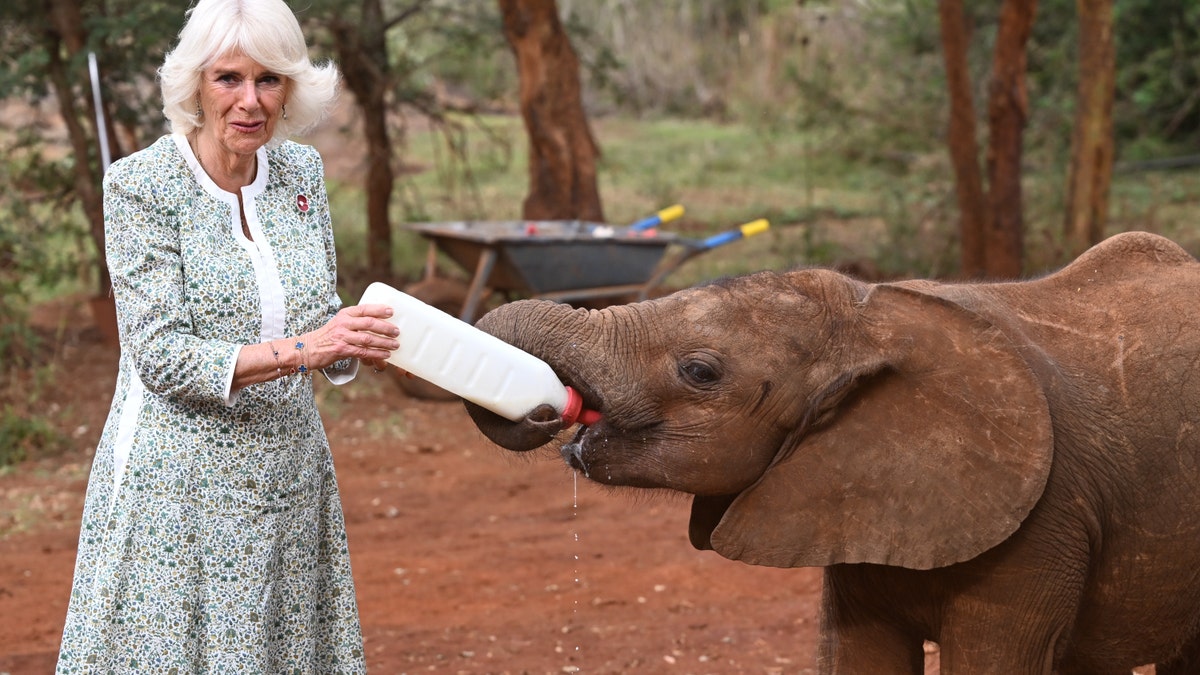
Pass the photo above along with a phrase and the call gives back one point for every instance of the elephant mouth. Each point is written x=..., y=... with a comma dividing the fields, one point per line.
x=579, y=454
x=592, y=405
x=601, y=452
x=572, y=452
x=595, y=449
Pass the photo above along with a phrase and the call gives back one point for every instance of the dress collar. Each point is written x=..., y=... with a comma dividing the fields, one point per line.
x=206, y=181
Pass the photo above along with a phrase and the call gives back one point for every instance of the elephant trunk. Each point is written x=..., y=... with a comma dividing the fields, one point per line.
x=555, y=333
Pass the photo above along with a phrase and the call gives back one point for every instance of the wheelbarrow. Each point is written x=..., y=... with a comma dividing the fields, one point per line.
x=561, y=260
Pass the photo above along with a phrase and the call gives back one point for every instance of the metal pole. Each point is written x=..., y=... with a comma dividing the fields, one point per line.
x=101, y=129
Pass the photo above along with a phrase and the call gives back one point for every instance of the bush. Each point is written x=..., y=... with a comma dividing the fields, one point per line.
x=38, y=250
x=23, y=436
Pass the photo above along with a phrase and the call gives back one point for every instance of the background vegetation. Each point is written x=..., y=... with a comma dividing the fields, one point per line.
x=826, y=117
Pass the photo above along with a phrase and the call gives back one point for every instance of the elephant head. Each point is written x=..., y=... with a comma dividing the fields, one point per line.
x=815, y=419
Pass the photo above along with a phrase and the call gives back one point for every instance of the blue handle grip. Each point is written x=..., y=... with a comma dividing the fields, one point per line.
x=665, y=215
x=745, y=230
x=723, y=238
x=645, y=223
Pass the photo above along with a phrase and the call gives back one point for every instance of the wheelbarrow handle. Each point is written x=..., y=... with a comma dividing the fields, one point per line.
x=745, y=230
x=664, y=216
x=691, y=248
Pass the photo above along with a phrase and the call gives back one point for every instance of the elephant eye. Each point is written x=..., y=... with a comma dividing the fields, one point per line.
x=698, y=372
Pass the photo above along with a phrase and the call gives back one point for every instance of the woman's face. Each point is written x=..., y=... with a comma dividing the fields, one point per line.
x=241, y=101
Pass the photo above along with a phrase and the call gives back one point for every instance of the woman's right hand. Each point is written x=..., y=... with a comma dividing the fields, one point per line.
x=361, y=332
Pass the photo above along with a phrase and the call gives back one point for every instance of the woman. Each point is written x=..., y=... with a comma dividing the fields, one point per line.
x=212, y=536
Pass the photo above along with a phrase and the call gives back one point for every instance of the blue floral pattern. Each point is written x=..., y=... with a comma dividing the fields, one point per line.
x=212, y=538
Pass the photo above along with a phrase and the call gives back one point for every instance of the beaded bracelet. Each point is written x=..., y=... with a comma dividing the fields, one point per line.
x=303, y=369
x=275, y=352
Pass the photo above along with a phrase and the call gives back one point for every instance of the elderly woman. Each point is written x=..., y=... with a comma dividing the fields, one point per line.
x=212, y=536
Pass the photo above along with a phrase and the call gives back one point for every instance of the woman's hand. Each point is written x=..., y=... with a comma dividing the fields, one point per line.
x=359, y=332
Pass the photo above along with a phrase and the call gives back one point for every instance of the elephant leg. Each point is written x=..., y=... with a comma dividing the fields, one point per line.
x=869, y=647
x=976, y=639
x=959, y=657
x=857, y=636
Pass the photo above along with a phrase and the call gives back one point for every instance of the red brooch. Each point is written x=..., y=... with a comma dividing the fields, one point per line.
x=302, y=202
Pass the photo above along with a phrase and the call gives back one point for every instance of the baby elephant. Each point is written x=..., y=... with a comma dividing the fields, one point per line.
x=1011, y=470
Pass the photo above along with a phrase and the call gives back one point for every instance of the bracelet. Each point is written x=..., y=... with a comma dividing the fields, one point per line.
x=303, y=369
x=275, y=352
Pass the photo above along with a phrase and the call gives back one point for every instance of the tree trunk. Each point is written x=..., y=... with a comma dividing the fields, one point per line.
x=1008, y=107
x=964, y=148
x=362, y=53
x=87, y=186
x=65, y=29
x=67, y=21
x=562, y=150
x=1092, y=141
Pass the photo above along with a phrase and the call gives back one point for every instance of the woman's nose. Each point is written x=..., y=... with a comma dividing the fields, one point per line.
x=249, y=94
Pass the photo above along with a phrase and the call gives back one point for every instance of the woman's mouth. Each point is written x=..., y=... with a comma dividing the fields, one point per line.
x=247, y=127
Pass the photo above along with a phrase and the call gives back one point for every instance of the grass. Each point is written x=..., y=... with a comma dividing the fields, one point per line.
x=826, y=205
x=724, y=175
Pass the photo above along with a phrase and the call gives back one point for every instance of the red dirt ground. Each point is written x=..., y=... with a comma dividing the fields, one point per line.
x=468, y=559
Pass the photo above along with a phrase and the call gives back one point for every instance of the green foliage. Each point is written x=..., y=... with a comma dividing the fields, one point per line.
x=1159, y=75
x=24, y=436
x=32, y=257
x=865, y=81
x=811, y=113
x=128, y=37
x=451, y=42
x=466, y=163
x=433, y=48
x=48, y=68
x=677, y=57
x=42, y=242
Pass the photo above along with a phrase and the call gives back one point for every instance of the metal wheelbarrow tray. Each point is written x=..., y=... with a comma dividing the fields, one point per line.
x=552, y=260
x=560, y=260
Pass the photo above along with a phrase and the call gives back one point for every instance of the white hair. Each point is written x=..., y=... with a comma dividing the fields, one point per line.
x=266, y=31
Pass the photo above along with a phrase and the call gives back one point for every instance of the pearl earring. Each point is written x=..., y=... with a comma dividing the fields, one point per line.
x=285, y=111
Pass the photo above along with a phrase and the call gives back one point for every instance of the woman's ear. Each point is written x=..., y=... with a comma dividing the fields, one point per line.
x=931, y=460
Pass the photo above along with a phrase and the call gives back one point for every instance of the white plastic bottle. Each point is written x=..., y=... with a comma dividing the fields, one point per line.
x=470, y=363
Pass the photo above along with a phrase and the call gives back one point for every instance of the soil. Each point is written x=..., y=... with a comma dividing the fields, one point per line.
x=467, y=558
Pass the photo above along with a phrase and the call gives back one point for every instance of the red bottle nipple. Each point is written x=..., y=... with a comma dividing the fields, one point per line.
x=574, y=412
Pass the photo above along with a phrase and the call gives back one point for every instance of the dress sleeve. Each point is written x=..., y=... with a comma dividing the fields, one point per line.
x=340, y=372
x=146, y=264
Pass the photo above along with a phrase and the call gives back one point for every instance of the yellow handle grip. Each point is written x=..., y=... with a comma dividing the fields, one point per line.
x=754, y=227
x=670, y=213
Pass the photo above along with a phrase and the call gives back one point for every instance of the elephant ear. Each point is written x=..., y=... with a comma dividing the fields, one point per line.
x=932, y=459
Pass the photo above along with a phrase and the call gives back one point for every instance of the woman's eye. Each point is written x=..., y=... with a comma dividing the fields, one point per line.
x=699, y=372
x=269, y=80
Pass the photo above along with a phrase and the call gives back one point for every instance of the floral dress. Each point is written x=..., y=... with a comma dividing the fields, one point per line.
x=212, y=538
